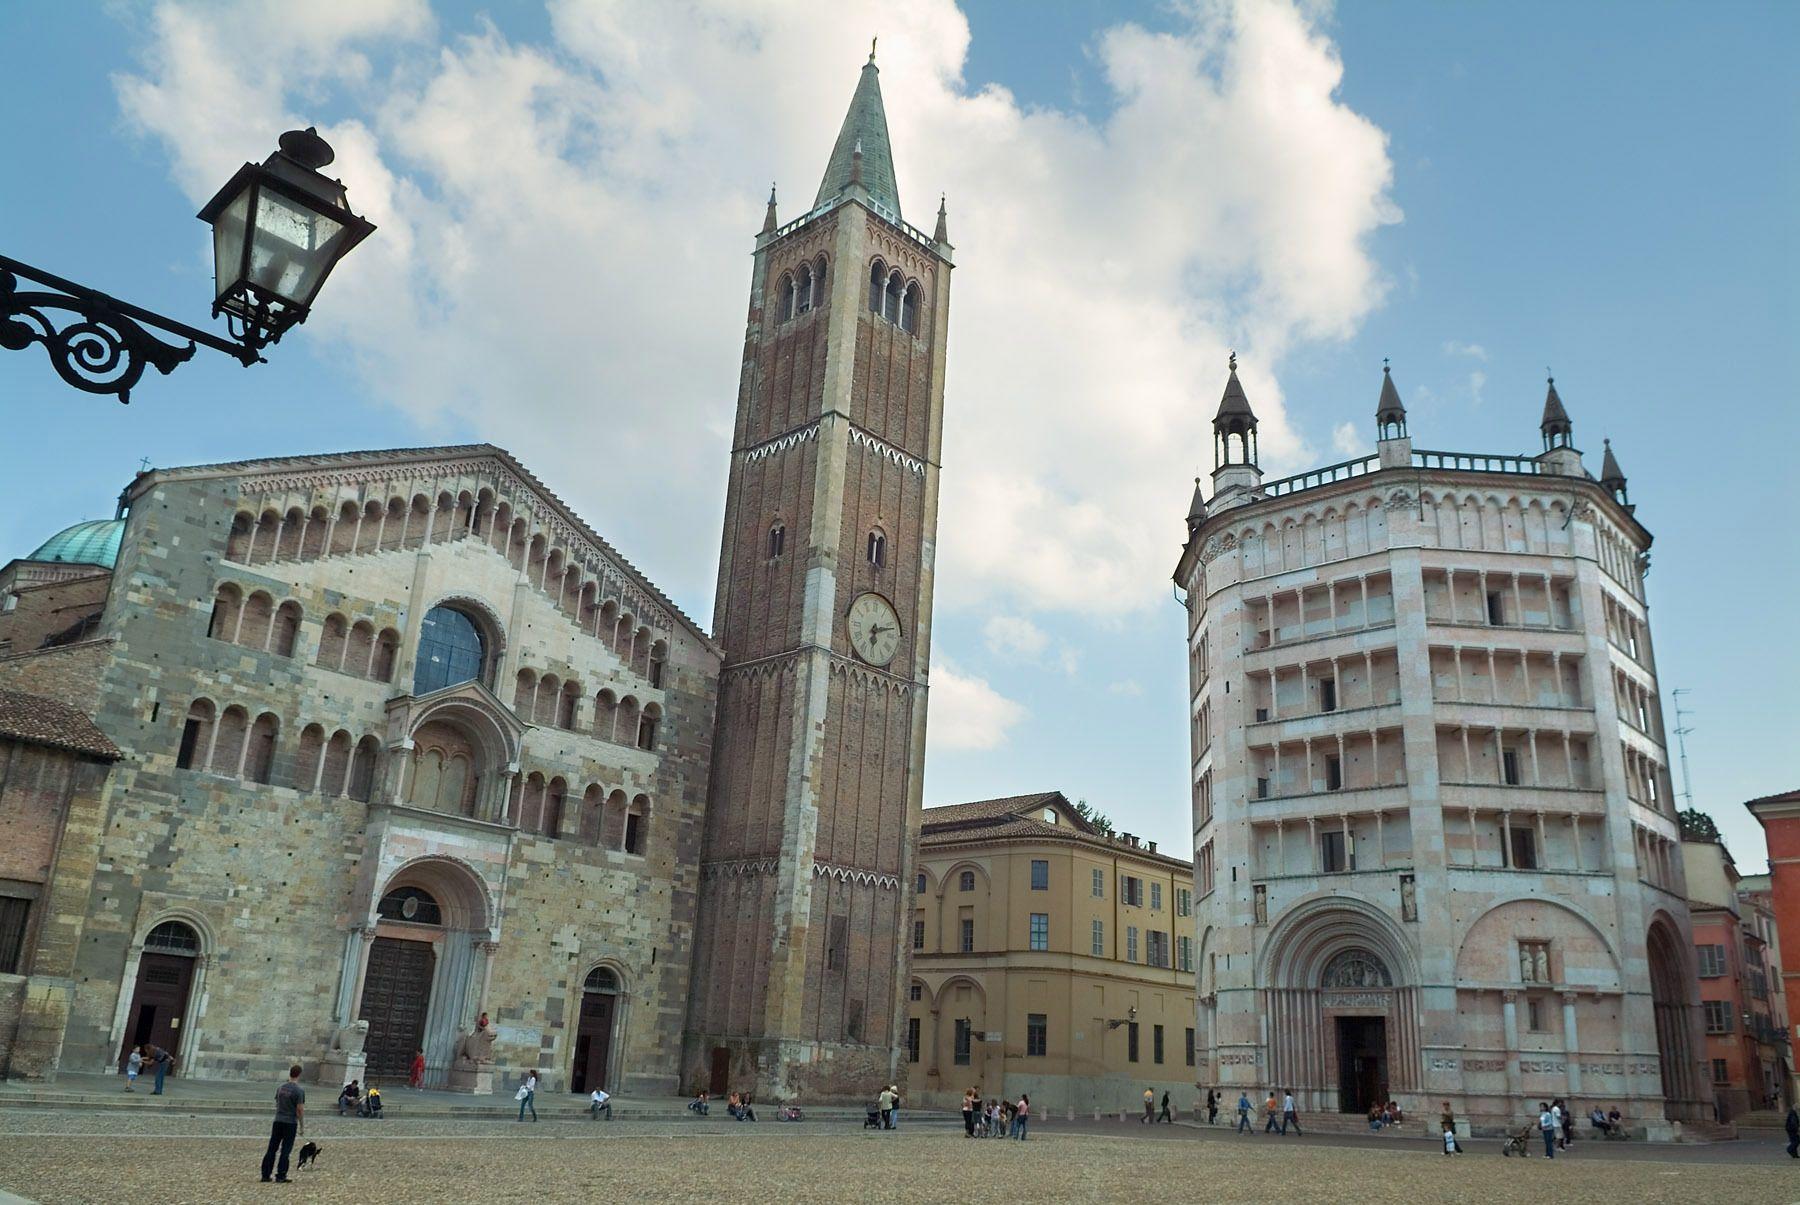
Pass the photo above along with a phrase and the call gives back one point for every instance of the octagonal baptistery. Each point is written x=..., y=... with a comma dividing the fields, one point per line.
x=1436, y=853
x=407, y=743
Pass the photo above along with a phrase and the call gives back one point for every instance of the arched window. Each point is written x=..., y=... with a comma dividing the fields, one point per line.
x=784, y=294
x=877, y=286
x=196, y=735
x=891, y=303
x=451, y=650
x=877, y=548
x=173, y=937
x=227, y=606
x=331, y=642
x=362, y=768
x=966, y=882
x=646, y=733
x=919, y=884
x=777, y=538
x=228, y=743
x=550, y=816
x=259, y=757
x=387, y=651
x=410, y=904
x=803, y=290
x=287, y=628
x=909, y=309
x=659, y=657
x=602, y=980
x=637, y=826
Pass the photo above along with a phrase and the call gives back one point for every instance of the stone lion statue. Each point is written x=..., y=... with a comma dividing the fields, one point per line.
x=351, y=1037
x=476, y=1047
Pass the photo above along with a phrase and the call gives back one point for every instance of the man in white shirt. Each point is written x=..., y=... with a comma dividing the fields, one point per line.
x=599, y=1102
x=1288, y=1116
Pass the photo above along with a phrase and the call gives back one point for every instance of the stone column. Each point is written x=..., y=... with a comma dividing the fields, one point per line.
x=1571, y=1044
x=1510, y=1014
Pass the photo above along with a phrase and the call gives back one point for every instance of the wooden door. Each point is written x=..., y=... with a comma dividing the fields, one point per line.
x=396, y=995
x=593, y=1042
x=721, y=1071
x=158, y=1003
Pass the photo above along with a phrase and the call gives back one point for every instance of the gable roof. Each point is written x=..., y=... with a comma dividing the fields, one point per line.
x=1018, y=817
x=325, y=462
x=37, y=720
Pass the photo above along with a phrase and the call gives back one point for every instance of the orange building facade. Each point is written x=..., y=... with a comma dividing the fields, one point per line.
x=1780, y=818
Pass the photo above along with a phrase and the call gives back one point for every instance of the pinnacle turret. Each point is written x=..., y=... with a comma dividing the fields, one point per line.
x=1390, y=414
x=1612, y=478
x=1557, y=430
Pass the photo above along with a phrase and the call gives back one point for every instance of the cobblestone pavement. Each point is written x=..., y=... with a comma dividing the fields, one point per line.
x=105, y=1158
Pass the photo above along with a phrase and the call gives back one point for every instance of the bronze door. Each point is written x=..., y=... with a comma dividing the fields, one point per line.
x=396, y=995
x=593, y=1042
x=158, y=1003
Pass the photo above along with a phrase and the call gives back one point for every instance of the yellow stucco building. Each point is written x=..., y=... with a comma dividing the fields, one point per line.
x=1048, y=959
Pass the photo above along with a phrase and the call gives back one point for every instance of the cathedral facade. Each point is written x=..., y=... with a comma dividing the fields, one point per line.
x=411, y=759
x=1436, y=849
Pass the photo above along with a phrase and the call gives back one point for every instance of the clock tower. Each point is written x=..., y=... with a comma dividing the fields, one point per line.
x=824, y=611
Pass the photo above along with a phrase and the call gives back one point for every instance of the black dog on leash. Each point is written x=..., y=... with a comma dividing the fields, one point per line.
x=308, y=1154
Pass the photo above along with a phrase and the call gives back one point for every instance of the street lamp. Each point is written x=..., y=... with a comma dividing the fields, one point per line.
x=279, y=228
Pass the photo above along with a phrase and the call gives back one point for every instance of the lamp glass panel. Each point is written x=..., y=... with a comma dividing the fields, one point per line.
x=228, y=242
x=292, y=249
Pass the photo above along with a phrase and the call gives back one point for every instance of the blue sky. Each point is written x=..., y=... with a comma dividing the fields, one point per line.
x=1604, y=189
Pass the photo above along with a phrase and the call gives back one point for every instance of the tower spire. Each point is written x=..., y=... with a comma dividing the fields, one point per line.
x=864, y=128
x=769, y=222
x=942, y=233
x=1612, y=478
x=1390, y=414
x=1557, y=430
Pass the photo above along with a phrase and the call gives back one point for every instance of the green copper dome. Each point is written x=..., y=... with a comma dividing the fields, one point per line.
x=95, y=542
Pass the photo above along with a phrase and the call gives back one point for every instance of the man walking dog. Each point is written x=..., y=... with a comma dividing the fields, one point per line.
x=290, y=1120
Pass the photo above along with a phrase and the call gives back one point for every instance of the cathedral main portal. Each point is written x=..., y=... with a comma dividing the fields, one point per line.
x=396, y=996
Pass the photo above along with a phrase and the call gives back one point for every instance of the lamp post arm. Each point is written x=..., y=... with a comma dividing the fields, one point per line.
x=108, y=350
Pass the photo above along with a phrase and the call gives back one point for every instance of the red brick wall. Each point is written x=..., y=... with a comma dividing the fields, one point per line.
x=70, y=674
x=44, y=611
x=34, y=787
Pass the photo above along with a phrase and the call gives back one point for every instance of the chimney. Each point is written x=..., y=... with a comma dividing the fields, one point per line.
x=1152, y=846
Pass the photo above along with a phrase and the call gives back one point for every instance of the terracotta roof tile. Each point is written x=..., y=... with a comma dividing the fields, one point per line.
x=41, y=721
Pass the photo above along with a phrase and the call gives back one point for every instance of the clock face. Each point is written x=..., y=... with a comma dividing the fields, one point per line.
x=874, y=629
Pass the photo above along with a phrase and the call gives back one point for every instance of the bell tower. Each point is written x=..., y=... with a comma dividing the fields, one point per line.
x=824, y=610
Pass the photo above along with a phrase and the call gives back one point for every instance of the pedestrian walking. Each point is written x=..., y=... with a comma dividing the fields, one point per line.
x=884, y=1104
x=1568, y=1125
x=1149, y=1106
x=1021, y=1117
x=1243, y=1108
x=290, y=1122
x=1556, y=1122
x=1212, y=1107
x=1165, y=1114
x=1271, y=1111
x=134, y=1063
x=894, y=1113
x=1288, y=1116
x=599, y=1101
x=415, y=1076
x=527, y=1095
x=969, y=1103
x=1547, y=1126
x=1451, y=1145
x=1447, y=1122
x=1793, y=1133
x=160, y=1061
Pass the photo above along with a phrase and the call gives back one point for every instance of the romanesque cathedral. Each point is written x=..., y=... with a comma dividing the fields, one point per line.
x=365, y=754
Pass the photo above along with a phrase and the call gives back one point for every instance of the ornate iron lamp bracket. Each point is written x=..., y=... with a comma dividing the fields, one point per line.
x=107, y=349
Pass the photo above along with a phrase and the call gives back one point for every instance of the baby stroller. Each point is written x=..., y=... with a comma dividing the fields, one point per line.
x=789, y=1113
x=873, y=1120
x=371, y=1104
x=1518, y=1144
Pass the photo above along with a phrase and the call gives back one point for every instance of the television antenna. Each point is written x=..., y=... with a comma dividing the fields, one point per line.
x=1682, y=728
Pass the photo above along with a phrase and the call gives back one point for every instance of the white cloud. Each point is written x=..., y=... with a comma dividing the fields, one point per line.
x=1347, y=439
x=1127, y=688
x=1473, y=351
x=966, y=712
x=1477, y=383
x=1013, y=636
x=563, y=231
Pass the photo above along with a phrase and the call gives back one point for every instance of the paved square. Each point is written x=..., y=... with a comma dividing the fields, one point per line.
x=215, y=1160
